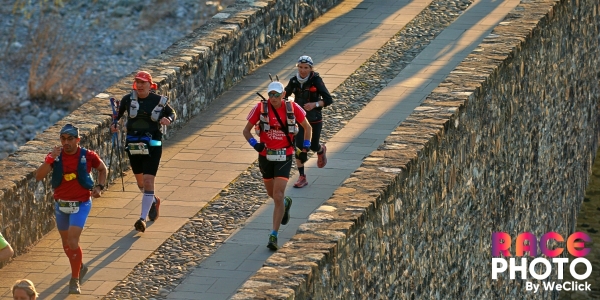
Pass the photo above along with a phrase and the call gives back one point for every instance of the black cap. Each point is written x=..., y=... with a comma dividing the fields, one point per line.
x=70, y=130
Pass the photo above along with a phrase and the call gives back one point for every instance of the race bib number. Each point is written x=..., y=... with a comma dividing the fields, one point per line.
x=138, y=149
x=276, y=154
x=68, y=207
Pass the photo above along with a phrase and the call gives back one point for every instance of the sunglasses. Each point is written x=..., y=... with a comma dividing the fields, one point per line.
x=274, y=94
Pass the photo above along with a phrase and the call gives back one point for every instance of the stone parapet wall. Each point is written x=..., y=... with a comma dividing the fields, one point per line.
x=192, y=73
x=505, y=143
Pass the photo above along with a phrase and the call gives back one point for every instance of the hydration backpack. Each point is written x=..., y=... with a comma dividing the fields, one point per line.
x=84, y=178
x=263, y=123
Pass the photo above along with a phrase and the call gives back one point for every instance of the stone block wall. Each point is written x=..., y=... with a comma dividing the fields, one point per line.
x=505, y=143
x=192, y=73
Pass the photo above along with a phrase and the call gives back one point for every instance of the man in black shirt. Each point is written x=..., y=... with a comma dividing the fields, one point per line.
x=147, y=112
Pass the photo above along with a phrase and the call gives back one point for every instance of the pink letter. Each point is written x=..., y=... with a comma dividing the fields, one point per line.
x=574, y=246
x=500, y=244
x=531, y=247
x=544, y=244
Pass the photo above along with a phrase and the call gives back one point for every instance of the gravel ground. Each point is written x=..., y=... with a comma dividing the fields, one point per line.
x=159, y=274
x=104, y=39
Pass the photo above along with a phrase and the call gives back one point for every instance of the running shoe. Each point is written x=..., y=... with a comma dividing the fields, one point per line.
x=322, y=158
x=154, y=209
x=287, y=201
x=301, y=181
x=140, y=225
x=272, y=242
x=82, y=271
x=74, y=286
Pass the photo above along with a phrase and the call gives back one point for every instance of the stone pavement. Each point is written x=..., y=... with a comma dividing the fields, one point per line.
x=210, y=152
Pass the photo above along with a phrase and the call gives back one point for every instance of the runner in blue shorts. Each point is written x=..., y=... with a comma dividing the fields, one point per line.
x=73, y=187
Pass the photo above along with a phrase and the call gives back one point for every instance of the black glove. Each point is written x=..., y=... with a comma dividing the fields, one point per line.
x=303, y=156
x=259, y=147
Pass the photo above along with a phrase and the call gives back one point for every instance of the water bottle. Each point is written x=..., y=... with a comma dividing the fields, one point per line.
x=134, y=105
x=133, y=108
x=257, y=129
x=158, y=109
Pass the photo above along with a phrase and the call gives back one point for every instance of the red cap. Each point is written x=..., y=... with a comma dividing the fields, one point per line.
x=145, y=76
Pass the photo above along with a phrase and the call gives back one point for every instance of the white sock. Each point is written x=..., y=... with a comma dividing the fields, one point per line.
x=142, y=190
x=147, y=200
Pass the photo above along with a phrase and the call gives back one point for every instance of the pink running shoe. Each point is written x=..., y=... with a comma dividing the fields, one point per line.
x=154, y=209
x=301, y=182
x=322, y=158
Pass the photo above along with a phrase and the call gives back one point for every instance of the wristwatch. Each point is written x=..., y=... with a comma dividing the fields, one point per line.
x=101, y=186
x=317, y=103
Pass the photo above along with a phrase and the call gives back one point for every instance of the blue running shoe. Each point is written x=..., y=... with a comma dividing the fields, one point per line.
x=272, y=242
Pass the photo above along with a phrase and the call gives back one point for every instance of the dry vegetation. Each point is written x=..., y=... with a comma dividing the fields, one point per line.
x=160, y=9
x=54, y=74
x=52, y=54
x=48, y=55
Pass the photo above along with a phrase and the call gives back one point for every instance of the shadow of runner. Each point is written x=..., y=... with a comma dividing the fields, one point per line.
x=109, y=255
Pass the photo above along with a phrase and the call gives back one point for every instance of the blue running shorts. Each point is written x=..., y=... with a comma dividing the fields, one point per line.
x=64, y=221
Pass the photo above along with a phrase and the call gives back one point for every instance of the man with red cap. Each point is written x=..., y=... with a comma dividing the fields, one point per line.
x=147, y=112
x=71, y=165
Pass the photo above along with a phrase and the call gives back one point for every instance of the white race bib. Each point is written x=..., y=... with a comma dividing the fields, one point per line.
x=68, y=207
x=276, y=154
x=138, y=149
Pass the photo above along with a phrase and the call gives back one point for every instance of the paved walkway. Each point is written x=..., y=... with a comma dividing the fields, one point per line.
x=221, y=274
x=210, y=152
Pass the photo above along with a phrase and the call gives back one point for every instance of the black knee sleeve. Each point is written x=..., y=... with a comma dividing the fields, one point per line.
x=315, y=148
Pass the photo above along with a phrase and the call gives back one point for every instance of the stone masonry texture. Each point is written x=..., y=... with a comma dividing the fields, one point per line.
x=505, y=143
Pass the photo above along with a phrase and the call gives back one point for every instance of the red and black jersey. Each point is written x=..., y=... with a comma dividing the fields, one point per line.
x=275, y=138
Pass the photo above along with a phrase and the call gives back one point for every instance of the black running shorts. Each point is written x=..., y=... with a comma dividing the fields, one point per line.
x=272, y=169
x=146, y=164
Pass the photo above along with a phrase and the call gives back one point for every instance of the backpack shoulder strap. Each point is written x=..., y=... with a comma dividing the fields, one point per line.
x=264, y=107
x=289, y=106
x=263, y=121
